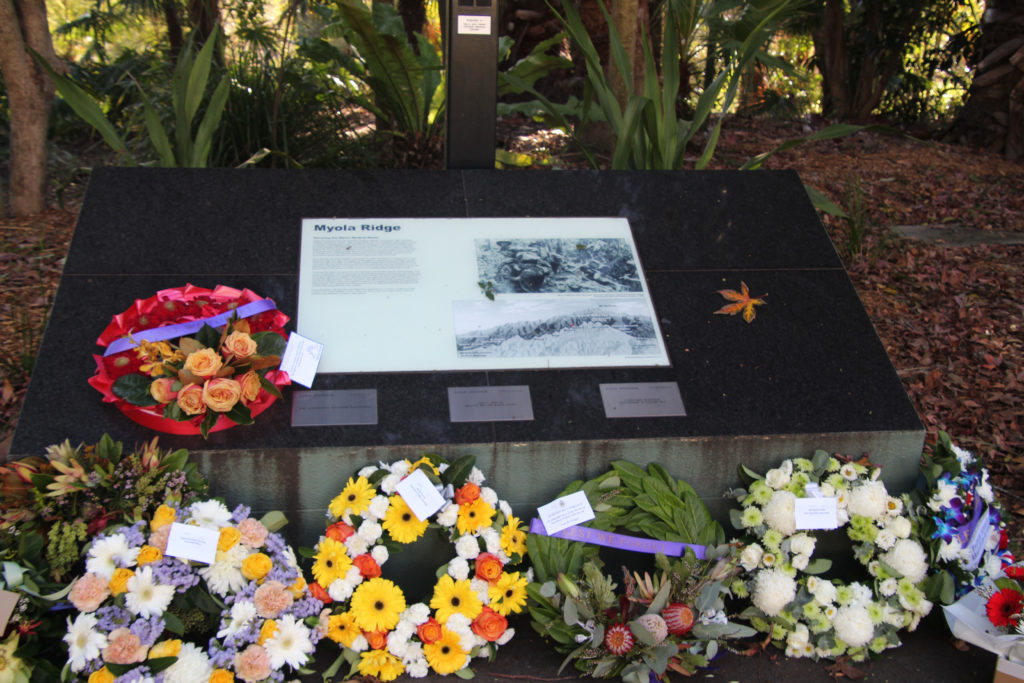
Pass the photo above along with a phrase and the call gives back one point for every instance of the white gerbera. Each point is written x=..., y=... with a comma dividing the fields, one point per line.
x=868, y=500
x=193, y=664
x=209, y=514
x=108, y=553
x=780, y=512
x=853, y=625
x=449, y=515
x=290, y=643
x=144, y=596
x=458, y=569
x=908, y=558
x=241, y=614
x=773, y=590
x=225, y=576
x=85, y=641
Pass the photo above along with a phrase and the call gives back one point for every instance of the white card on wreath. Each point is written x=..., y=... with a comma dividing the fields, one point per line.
x=816, y=513
x=565, y=512
x=187, y=542
x=419, y=494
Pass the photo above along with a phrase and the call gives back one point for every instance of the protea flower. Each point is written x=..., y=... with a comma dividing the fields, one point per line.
x=655, y=625
x=618, y=639
x=678, y=618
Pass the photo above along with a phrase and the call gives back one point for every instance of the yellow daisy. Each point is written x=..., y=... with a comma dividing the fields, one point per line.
x=354, y=498
x=331, y=562
x=508, y=594
x=401, y=523
x=473, y=516
x=451, y=597
x=377, y=604
x=445, y=655
x=381, y=664
x=513, y=539
x=342, y=629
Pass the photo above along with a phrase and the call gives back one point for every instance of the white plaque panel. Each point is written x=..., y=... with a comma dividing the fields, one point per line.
x=409, y=294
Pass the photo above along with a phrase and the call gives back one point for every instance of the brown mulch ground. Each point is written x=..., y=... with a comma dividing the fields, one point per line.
x=950, y=317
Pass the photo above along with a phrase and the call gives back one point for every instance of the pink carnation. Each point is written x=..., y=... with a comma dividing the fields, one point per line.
x=253, y=532
x=271, y=599
x=158, y=539
x=89, y=592
x=252, y=664
x=124, y=647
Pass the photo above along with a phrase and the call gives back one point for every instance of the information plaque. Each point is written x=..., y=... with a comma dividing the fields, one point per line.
x=425, y=294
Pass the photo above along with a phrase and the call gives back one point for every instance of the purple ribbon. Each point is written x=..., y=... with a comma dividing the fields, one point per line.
x=181, y=329
x=620, y=541
x=965, y=531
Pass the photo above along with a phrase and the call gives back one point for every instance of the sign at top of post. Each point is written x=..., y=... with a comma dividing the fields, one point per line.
x=425, y=294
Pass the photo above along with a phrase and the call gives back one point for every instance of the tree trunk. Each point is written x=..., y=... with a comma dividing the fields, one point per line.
x=29, y=93
x=174, y=34
x=993, y=117
x=830, y=47
x=414, y=16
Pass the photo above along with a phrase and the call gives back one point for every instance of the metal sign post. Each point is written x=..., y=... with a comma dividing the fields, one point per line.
x=471, y=60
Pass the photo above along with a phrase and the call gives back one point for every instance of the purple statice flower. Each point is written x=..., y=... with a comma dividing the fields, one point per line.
x=306, y=607
x=275, y=544
x=283, y=573
x=148, y=630
x=221, y=657
x=137, y=674
x=174, y=572
x=241, y=512
x=112, y=617
x=134, y=534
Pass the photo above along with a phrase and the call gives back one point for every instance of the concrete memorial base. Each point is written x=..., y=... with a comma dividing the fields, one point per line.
x=809, y=372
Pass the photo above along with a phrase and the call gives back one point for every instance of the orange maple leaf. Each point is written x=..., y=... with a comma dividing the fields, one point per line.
x=743, y=302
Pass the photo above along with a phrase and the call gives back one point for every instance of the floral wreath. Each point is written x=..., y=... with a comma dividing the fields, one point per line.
x=959, y=522
x=382, y=633
x=671, y=622
x=816, y=617
x=143, y=613
x=209, y=380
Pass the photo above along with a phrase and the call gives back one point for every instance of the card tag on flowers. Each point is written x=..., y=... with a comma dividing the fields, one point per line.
x=979, y=537
x=8, y=601
x=419, y=494
x=812, y=490
x=301, y=358
x=816, y=513
x=187, y=542
x=565, y=512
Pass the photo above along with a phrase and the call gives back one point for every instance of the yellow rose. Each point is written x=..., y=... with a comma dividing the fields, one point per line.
x=267, y=631
x=221, y=394
x=297, y=588
x=148, y=554
x=119, y=580
x=165, y=648
x=163, y=516
x=203, y=363
x=251, y=387
x=229, y=536
x=101, y=676
x=222, y=676
x=190, y=400
x=256, y=566
x=162, y=389
x=240, y=344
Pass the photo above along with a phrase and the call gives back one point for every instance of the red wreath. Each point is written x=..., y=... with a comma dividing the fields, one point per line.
x=170, y=307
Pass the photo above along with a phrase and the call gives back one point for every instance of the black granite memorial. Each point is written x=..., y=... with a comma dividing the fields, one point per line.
x=809, y=372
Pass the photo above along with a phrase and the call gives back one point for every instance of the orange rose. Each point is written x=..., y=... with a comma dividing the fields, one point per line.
x=251, y=387
x=163, y=390
x=239, y=344
x=489, y=625
x=429, y=631
x=203, y=363
x=318, y=592
x=488, y=567
x=256, y=566
x=221, y=394
x=368, y=566
x=190, y=400
x=378, y=640
x=339, y=531
x=467, y=493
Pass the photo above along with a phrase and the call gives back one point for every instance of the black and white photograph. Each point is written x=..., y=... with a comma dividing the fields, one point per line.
x=532, y=328
x=557, y=265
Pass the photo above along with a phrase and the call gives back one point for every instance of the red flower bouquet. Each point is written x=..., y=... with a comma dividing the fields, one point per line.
x=191, y=360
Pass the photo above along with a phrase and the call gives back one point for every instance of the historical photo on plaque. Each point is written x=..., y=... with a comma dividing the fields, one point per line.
x=426, y=294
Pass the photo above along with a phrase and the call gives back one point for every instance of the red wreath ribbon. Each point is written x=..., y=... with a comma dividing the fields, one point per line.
x=169, y=307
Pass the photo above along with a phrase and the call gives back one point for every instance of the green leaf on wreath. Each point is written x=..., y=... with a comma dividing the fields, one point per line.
x=604, y=667
x=274, y=520
x=134, y=388
x=269, y=343
x=641, y=633
x=570, y=615
x=240, y=414
x=207, y=336
x=158, y=664
x=818, y=565
x=748, y=475
x=173, y=623
x=632, y=475
x=108, y=449
x=458, y=471
x=30, y=546
x=209, y=420
x=660, y=598
x=548, y=589
x=269, y=386
x=175, y=461
x=465, y=674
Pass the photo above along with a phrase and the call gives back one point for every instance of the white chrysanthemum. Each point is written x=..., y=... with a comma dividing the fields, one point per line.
x=356, y=545
x=899, y=526
x=475, y=476
x=842, y=515
x=802, y=544
x=780, y=514
x=492, y=539
x=193, y=664
x=892, y=616
x=458, y=621
x=908, y=559
x=85, y=641
x=144, y=596
x=798, y=637
x=773, y=590
x=367, y=471
x=951, y=550
x=984, y=488
x=776, y=478
x=888, y=587
x=417, y=668
x=397, y=644
x=225, y=574
x=378, y=507
x=885, y=539
x=209, y=514
x=380, y=554
x=942, y=495
x=448, y=516
x=400, y=467
x=467, y=547
x=750, y=558
x=848, y=471
x=458, y=569
x=107, y=554
x=481, y=587
x=861, y=593
x=340, y=590
x=824, y=592
x=370, y=530
x=413, y=653
x=963, y=456
x=290, y=643
x=488, y=495
x=242, y=612
x=868, y=500
x=853, y=625
x=388, y=483
x=359, y=643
